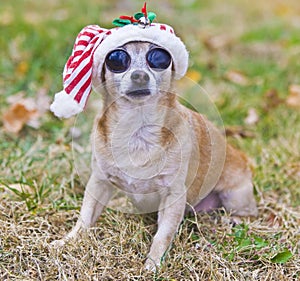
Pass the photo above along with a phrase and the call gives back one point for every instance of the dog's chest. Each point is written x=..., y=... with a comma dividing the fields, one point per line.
x=143, y=141
x=136, y=162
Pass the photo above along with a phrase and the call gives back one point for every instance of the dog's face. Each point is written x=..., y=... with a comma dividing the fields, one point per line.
x=137, y=72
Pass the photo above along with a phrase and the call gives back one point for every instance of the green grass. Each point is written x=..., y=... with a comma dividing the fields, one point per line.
x=41, y=191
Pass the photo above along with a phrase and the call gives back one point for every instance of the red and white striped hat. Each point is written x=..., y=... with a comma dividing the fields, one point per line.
x=91, y=47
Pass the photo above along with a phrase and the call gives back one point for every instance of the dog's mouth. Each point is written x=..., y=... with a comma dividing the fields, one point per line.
x=138, y=93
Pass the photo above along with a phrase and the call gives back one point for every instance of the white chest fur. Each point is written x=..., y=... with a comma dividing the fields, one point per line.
x=136, y=161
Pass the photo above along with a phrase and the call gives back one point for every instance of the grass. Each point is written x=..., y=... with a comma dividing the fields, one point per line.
x=41, y=192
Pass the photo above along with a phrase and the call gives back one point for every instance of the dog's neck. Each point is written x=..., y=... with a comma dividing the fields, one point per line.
x=149, y=121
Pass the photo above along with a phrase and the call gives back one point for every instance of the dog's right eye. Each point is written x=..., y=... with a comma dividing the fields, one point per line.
x=118, y=61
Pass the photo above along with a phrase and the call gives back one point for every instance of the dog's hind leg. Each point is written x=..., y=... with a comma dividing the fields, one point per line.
x=240, y=200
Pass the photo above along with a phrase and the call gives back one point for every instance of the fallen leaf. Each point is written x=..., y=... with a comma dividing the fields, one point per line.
x=19, y=114
x=271, y=100
x=282, y=257
x=293, y=100
x=237, y=77
x=26, y=110
x=252, y=117
x=194, y=75
x=238, y=131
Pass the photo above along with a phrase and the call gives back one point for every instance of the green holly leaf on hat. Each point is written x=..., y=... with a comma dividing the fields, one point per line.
x=151, y=16
x=121, y=22
x=139, y=15
x=124, y=20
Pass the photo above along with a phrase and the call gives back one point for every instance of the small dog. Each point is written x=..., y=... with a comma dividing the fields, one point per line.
x=164, y=156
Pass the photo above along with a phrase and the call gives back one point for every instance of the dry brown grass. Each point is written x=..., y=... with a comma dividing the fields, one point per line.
x=116, y=248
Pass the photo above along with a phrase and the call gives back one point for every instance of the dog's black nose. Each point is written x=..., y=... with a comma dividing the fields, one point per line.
x=140, y=77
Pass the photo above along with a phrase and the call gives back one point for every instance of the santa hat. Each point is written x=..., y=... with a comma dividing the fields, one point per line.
x=93, y=44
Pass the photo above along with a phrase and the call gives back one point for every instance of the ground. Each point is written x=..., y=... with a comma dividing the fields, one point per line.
x=244, y=54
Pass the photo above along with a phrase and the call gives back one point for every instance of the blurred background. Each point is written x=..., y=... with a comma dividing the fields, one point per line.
x=257, y=39
x=245, y=54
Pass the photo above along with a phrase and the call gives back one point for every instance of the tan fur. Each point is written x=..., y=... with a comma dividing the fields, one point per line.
x=162, y=154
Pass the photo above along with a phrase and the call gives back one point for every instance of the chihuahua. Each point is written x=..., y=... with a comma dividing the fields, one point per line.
x=162, y=155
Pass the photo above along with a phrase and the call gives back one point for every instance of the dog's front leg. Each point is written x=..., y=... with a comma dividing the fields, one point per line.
x=96, y=197
x=170, y=216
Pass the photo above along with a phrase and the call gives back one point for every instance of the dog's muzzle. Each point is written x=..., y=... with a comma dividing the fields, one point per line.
x=139, y=93
x=140, y=80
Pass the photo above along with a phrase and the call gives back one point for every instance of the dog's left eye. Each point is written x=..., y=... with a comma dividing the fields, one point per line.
x=158, y=59
x=118, y=61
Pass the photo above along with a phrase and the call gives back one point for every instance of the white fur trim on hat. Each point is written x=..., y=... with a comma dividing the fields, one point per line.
x=64, y=106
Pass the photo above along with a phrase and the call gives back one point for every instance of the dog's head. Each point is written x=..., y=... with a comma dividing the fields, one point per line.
x=120, y=60
x=137, y=72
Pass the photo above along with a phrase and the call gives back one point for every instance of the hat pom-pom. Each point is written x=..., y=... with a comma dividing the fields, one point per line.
x=64, y=106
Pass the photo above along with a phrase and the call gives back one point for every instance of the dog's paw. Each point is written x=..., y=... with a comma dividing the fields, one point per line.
x=152, y=265
x=58, y=243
